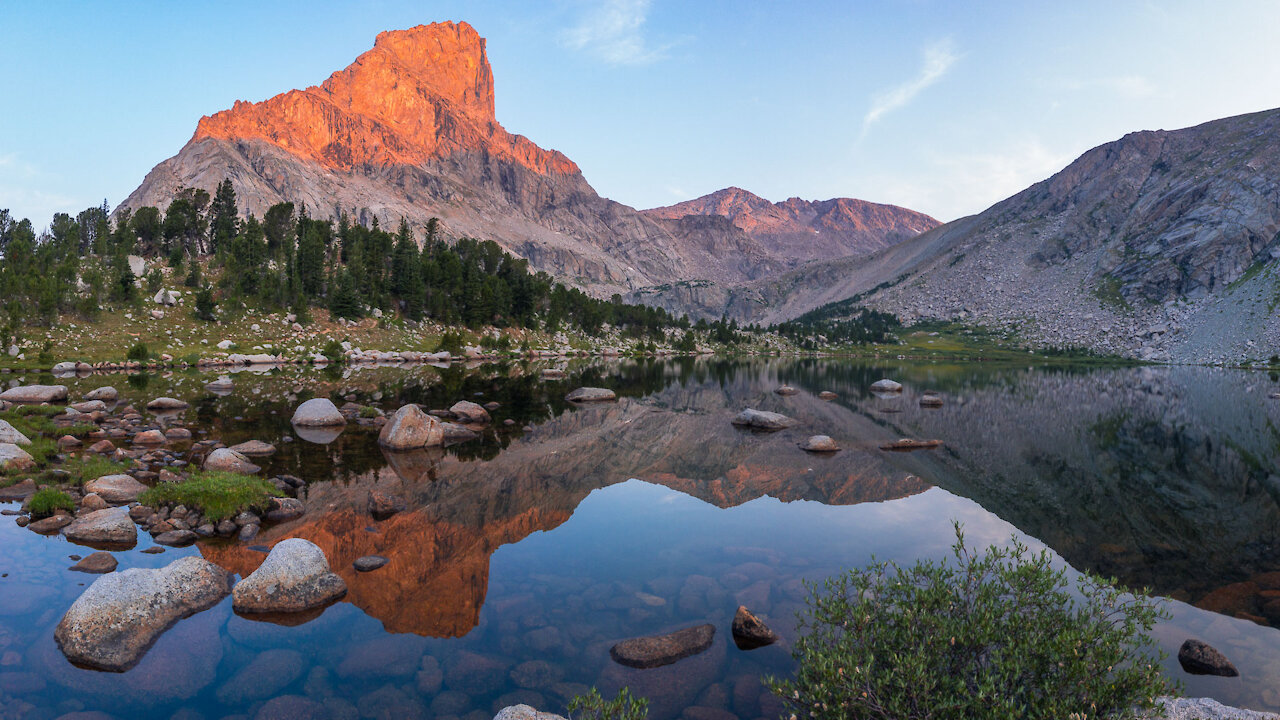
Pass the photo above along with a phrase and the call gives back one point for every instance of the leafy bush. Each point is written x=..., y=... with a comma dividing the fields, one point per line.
x=333, y=351
x=452, y=341
x=139, y=352
x=369, y=412
x=593, y=707
x=991, y=635
x=217, y=495
x=45, y=357
x=46, y=500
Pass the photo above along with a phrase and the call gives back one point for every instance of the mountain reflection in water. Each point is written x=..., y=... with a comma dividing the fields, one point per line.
x=520, y=557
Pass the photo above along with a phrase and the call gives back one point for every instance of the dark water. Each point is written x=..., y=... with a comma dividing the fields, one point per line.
x=525, y=555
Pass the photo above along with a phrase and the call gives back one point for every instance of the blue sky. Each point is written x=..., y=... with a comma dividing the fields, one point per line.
x=941, y=106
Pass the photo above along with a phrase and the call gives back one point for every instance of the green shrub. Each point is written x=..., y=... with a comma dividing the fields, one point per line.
x=139, y=352
x=45, y=357
x=369, y=412
x=217, y=495
x=46, y=500
x=333, y=351
x=992, y=635
x=593, y=707
x=453, y=341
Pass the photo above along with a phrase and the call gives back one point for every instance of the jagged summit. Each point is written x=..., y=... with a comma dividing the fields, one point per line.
x=421, y=93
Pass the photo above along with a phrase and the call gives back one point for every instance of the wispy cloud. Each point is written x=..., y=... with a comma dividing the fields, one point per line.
x=1128, y=86
x=614, y=32
x=937, y=61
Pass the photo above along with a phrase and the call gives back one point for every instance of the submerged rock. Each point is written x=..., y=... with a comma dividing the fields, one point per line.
x=820, y=443
x=116, y=489
x=658, y=650
x=750, y=632
x=113, y=623
x=294, y=577
x=35, y=393
x=369, y=563
x=763, y=420
x=383, y=505
x=591, y=394
x=907, y=444
x=318, y=412
x=409, y=429
x=931, y=400
x=1200, y=658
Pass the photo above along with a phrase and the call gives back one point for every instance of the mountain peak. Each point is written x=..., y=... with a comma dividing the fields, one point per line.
x=419, y=94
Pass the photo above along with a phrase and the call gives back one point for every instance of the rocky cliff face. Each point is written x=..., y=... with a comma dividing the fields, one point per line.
x=807, y=230
x=1160, y=245
x=408, y=130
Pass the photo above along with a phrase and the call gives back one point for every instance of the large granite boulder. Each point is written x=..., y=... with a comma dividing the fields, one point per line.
x=35, y=393
x=228, y=460
x=9, y=434
x=113, y=623
x=14, y=458
x=116, y=489
x=409, y=429
x=112, y=526
x=294, y=577
x=318, y=412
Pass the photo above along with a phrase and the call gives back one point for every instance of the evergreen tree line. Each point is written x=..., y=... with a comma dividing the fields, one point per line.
x=824, y=326
x=290, y=260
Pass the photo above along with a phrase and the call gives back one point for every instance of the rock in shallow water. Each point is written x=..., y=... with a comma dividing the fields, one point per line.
x=97, y=563
x=111, y=625
x=886, y=386
x=108, y=527
x=318, y=412
x=820, y=444
x=1200, y=658
x=591, y=394
x=750, y=632
x=228, y=460
x=469, y=412
x=369, y=563
x=35, y=393
x=658, y=650
x=524, y=712
x=294, y=577
x=762, y=420
x=409, y=429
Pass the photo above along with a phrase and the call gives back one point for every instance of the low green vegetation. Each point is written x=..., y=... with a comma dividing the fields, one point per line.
x=86, y=467
x=1108, y=292
x=46, y=500
x=594, y=707
x=217, y=495
x=41, y=449
x=996, y=634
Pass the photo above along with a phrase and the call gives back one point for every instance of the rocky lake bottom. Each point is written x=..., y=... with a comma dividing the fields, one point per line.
x=516, y=560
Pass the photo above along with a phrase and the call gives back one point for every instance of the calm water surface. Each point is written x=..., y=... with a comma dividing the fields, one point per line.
x=526, y=554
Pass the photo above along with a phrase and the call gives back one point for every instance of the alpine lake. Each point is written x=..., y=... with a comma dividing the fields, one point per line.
x=523, y=556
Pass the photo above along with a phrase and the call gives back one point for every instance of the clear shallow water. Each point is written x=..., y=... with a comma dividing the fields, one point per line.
x=524, y=556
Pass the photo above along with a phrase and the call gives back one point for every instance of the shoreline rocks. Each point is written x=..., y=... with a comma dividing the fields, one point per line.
x=228, y=460
x=469, y=413
x=10, y=435
x=820, y=444
x=35, y=394
x=13, y=457
x=116, y=489
x=112, y=526
x=116, y=620
x=294, y=577
x=167, y=403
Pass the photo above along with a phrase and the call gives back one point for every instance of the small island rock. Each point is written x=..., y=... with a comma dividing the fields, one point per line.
x=294, y=577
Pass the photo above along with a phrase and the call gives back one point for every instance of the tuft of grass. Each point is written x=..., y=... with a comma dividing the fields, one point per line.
x=41, y=449
x=91, y=467
x=217, y=495
x=369, y=412
x=45, y=410
x=46, y=500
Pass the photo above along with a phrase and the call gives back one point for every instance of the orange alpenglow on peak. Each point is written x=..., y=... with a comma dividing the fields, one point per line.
x=419, y=94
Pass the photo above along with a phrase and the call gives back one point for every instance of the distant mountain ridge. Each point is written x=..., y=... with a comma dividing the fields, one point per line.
x=807, y=230
x=408, y=129
x=1162, y=245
